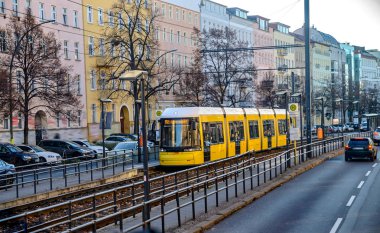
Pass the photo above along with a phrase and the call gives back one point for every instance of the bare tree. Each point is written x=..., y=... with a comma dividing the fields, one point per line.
x=228, y=72
x=41, y=81
x=265, y=91
x=131, y=44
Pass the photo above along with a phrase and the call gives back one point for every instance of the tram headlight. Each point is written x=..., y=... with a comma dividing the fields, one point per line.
x=162, y=150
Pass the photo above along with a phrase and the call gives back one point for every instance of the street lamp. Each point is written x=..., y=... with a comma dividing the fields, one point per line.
x=17, y=47
x=285, y=93
x=134, y=76
x=102, y=101
x=323, y=115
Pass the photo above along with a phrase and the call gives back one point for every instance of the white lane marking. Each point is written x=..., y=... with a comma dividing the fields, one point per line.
x=349, y=203
x=374, y=165
x=336, y=225
x=360, y=184
x=367, y=174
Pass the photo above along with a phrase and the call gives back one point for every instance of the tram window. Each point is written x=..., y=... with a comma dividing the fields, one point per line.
x=253, y=129
x=236, y=131
x=282, y=127
x=213, y=132
x=268, y=127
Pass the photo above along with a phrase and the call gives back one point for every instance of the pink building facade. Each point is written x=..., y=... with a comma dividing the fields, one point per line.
x=67, y=28
x=174, y=31
x=263, y=36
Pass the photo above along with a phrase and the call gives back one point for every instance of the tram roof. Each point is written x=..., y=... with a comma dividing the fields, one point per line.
x=198, y=111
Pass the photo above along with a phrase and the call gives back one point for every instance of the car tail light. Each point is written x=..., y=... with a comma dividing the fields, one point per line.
x=375, y=134
x=370, y=147
x=347, y=147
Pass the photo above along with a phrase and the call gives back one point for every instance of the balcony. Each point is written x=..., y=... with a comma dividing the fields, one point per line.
x=282, y=52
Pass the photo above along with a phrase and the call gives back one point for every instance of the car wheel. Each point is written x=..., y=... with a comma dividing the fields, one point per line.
x=346, y=158
x=372, y=158
x=42, y=160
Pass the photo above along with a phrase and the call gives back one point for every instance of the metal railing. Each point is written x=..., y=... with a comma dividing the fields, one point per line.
x=28, y=179
x=227, y=177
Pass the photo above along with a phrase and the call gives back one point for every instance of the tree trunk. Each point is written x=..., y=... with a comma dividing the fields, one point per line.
x=26, y=128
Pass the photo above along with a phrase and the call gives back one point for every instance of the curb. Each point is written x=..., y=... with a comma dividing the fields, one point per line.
x=264, y=189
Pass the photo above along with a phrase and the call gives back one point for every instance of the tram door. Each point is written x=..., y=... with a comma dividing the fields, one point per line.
x=206, y=142
x=268, y=131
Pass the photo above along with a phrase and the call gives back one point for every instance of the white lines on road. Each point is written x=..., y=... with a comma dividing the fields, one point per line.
x=349, y=203
x=374, y=165
x=367, y=174
x=360, y=184
x=336, y=225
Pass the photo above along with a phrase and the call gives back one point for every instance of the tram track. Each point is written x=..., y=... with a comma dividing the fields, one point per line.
x=62, y=212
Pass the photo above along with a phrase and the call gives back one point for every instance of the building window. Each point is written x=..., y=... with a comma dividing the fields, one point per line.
x=101, y=47
x=6, y=122
x=15, y=7
x=79, y=117
x=184, y=38
x=58, y=119
x=66, y=49
x=76, y=22
x=110, y=19
x=171, y=35
x=163, y=9
x=146, y=27
x=89, y=14
x=19, y=83
x=3, y=43
x=2, y=7
x=19, y=120
x=91, y=46
x=120, y=21
x=103, y=80
x=76, y=50
x=41, y=11
x=53, y=14
x=93, y=109
x=93, y=80
x=164, y=34
x=185, y=61
x=64, y=16
x=79, y=88
x=146, y=4
x=170, y=12
x=177, y=14
x=178, y=37
x=100, y=16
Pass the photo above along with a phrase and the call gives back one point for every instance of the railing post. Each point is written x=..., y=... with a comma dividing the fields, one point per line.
x=162, y=214
x=193, y=201
x=178, y=209
x=205, y=194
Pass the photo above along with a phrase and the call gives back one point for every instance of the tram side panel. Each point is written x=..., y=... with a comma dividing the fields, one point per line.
x=236, y=135
x=281, y=129
x=254, y=132
x=213, y=137
x=269, y=137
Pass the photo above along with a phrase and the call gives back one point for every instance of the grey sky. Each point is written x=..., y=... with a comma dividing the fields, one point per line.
x=354, y=21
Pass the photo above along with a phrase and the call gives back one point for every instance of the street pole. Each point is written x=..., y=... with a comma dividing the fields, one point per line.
x=287, y=129
x=307, y=74
x=323, y=119
x=102, y=123
x=301, y=125
x=145, y=154
x=342, y=107
x=10, y=77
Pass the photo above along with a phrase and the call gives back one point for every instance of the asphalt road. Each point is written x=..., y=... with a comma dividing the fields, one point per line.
x=336, y=196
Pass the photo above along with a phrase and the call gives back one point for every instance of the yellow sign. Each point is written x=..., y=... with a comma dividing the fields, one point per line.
x=158, y=113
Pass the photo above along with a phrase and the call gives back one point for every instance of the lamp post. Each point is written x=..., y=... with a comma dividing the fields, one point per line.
x=17, y=47
x=341, y=117
x=135, y=76
x=322, y=115
x=103, y=125
x=285, y=93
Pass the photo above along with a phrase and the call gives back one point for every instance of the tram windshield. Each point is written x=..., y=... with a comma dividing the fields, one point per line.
x=180, y=134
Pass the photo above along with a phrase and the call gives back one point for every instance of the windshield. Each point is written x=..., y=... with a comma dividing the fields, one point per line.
x=13, y=148
x=180, y=133
x=37, y=149
x=125, y=146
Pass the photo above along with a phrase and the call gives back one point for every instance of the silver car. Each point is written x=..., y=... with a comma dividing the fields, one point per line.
x=129, y=145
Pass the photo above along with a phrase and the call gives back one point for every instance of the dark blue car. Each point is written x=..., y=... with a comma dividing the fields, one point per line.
x=14, y=155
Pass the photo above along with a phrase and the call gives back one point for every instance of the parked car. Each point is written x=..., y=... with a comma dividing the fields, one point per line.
x=44, y=155
x=133, y=137
x=362, y=147
x=353, y=125
x=376, y=135
x=14, y=155
x=129, y=145
x=364, y=127
x=6, y=173
x=338, y=128
x=111, y=141
x=86, y=143
x=67, y=149
x=348, y=128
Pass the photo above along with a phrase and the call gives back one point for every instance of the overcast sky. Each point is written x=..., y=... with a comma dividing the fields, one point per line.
x=354, y=21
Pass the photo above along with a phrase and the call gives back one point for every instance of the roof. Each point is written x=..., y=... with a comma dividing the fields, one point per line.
x=318, y=36
x=185, y=112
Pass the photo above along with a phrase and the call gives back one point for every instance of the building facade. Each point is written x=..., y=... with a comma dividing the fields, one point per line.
x=67, y=28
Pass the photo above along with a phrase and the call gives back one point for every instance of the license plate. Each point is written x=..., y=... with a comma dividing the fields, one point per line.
x=357, y=148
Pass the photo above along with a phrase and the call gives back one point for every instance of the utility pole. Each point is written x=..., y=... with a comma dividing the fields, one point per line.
x=307, y=74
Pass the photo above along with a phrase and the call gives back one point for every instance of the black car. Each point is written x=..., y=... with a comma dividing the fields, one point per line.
x=14, y=155
x=360, y=148
x=6, y=173
x=67, y=149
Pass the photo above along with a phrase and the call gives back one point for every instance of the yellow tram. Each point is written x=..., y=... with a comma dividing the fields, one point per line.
x=193, y=135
